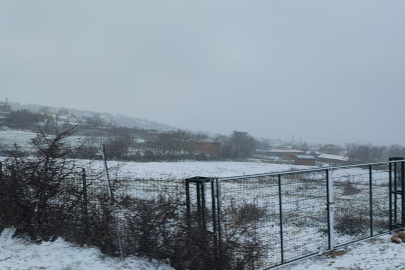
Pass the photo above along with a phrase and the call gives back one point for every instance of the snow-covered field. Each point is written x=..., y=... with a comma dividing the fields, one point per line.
x=20, y=254
x=23, y=138
x=186, y=169
x=19, y=137
x=374, y=254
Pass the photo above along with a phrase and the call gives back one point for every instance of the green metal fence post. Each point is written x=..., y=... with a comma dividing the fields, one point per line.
x=402, y=194
x=281, y=219
x=214, y=212
x=395, y=194
x=390, y=193
x=370, y=171
x=330, y=209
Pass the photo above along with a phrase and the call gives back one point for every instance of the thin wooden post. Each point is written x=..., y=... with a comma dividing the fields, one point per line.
x=84, y=205
x=110, y=195
x=1, y=172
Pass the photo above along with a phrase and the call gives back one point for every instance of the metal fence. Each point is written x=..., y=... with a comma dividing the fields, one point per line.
x=298, y=214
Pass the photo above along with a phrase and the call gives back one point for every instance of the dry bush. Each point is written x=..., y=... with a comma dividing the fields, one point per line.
x=350, y=186
x=38, y=196
x=351, y=220
x=246, y=213
x=100, y=228
x=160, y=229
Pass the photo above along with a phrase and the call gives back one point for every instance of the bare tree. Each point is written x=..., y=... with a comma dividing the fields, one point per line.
x=239, y=145
x=365, y=153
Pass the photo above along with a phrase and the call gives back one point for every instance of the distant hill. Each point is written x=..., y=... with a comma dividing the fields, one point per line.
x=119, y=120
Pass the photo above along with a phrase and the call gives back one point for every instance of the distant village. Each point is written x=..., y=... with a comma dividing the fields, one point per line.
x=126, y=140
x=287, y=154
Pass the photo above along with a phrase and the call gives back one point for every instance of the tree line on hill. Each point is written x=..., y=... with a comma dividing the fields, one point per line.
x=149, y=145
x=83, y=116
x=124, y=143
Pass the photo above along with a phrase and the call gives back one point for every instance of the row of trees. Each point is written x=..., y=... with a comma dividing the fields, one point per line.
x=23, y=119
x=125, y=143
x=26, y=119
x=364, y=153
x=133, y=143
x=367, y=153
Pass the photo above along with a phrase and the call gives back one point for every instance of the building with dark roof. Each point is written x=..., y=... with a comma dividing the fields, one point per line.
x=305, y=160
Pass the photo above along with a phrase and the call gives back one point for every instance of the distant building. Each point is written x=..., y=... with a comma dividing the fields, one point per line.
x=285, y=153
x=314, y=153
x=333, y=159
x=305, y=160
x=208, y=146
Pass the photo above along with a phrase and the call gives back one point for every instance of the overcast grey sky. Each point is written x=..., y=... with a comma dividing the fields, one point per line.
x=326, y=71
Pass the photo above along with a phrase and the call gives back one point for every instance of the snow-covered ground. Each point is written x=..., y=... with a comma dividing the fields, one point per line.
x=23, y=139
x=19, y=137
x=21, y=254
x=374, y=254
x=186, y=169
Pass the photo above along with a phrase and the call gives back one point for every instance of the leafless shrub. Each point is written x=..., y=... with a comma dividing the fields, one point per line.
x=350, y=186
x=161, y=229
x=247, y=212
x=351, y=219
x=37, y=196
x=100, y=228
